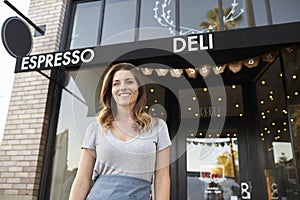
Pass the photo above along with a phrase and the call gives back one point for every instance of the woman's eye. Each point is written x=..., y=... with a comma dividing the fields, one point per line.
x=116, y=84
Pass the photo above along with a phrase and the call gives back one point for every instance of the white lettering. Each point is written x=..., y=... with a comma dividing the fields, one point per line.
x=67, y=58
x=41, y=59
x=49, y=59
x=92, y=54
x=57, y=58
x=205, y=42
x=32, y=64
x=76, y=57
x=210, y=41
x=175, y=47
x=201, y=44
x=24, y=63
x=192, y=40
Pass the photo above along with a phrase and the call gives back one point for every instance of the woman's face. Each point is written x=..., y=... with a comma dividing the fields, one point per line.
x=124, y=88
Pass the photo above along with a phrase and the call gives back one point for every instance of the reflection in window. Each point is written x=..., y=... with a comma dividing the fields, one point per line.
x=158, y=17
x=212, y=168
x=204, y=16
x=193, y=13
x=86, y=25
x=280, y=172
x=119, y=21
x=77, y=111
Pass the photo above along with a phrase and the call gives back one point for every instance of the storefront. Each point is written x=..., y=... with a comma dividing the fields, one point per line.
x=228, y=91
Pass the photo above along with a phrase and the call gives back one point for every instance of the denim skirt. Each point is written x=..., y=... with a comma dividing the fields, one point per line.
x=119, y=187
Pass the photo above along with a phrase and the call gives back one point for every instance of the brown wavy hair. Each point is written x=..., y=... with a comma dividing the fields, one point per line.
x=108, y=104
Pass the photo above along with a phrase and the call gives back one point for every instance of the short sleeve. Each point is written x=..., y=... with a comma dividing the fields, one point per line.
x=89, y=140
x=163, y=136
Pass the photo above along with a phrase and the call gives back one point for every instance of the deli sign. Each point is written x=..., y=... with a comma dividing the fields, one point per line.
x=71, y=58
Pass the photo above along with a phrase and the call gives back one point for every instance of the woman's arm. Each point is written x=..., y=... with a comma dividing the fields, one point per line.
x=83, y=180
x=162, y=175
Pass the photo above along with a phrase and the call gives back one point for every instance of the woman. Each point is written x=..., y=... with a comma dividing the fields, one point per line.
x=125, y=147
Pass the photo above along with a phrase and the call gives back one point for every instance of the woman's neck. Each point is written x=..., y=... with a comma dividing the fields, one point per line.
x=124, y=113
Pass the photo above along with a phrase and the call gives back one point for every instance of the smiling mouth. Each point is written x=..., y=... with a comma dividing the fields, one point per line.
x=124, y=95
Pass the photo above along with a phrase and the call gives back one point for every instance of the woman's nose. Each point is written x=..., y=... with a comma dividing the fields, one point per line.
x=122, y=87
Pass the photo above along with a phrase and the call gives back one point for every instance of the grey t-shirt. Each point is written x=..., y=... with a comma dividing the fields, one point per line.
x=135, y=157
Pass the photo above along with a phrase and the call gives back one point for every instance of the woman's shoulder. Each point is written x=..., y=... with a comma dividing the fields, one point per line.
x=157, y=123
x=95, y=125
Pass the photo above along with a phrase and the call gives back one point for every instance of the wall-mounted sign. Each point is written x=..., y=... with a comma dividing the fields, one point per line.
x=16, y=37
x=193, y=43
x=69, y=58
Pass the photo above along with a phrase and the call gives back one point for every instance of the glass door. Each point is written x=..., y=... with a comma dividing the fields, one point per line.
x=212, y=166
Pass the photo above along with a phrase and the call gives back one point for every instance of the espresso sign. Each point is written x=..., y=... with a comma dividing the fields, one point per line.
x=55, y=60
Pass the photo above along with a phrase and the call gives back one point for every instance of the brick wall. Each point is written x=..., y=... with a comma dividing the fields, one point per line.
x=22, y=149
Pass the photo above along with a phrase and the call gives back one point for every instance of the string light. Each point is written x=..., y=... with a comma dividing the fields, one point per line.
x=194, y=98
x=155, y=101
x=205, y=89
x=263, y=82
x=189, y=108
x=285, y=112
x=241, y=114
x=233, y=86
x=294, y=76
x=146, y=107
x=262, y=102
x=237, y=105
x=152, y=90
x=271, y=92
x=219, y=99
x=296, y=93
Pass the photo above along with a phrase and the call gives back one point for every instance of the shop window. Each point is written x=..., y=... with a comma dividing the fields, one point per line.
x=86, y=24
x=119, y=21
x=275, y=116
x=157, y=19
x=260, y=15
x=291, y=57
x=285, y=11
x=204, y=16
x=77, y=111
